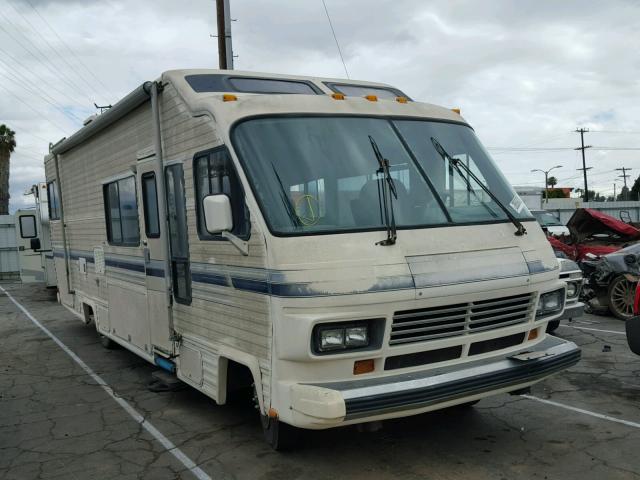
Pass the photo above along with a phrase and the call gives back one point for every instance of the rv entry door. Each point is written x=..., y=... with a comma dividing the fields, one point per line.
x=158, y=295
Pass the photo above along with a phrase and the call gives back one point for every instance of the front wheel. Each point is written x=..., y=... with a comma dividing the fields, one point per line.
x=279, y=435
x=621, y=297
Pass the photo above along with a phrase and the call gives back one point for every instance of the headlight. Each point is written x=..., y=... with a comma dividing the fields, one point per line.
x=361, y=334
x=550, y=303
x=572, y=289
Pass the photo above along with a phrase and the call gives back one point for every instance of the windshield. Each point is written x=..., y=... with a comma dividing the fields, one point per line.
x=546, y=219
x=319, y=174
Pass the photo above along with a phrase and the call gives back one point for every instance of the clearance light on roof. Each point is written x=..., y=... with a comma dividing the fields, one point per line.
x=371, y=98
x=456, y=110
x=228, y=97
x=337, y=96
x=402, y=99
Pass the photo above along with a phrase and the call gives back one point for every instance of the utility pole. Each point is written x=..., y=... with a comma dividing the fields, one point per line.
x=614, y=192
x=584, y=168
x=546, y=180
x=624, y=177
x=225, y=52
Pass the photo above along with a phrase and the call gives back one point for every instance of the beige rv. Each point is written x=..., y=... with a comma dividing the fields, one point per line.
x=351, y=254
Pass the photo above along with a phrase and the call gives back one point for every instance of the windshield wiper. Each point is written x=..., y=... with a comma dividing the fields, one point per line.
x=386, y=194
x=457, y=163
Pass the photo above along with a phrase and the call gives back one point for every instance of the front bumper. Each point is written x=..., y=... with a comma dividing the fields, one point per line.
x=573, y=310
x=338, y=403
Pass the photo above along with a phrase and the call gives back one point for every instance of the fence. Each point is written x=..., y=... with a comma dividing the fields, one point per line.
x=9, y=264
x=563, y=208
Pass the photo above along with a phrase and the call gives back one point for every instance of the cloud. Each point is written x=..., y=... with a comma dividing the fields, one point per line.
x=523, y=73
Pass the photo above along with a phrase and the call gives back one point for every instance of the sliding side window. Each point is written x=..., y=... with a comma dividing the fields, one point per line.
x=53, y=199
x=121, y=212
x=215, y=174
x=150, y=205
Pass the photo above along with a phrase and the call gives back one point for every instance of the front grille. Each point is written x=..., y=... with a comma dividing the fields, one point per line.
x=410, y=326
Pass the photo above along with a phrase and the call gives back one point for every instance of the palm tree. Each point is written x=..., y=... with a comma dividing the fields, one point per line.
x=7, y=145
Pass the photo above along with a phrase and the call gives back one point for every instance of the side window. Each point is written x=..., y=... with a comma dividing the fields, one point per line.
x=28, y=226
x=150, y=205
x=54, y=200
x=214, y=174
x=121, y=212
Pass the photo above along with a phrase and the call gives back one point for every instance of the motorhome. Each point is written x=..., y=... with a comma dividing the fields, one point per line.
x=34, y=241
x=349, y=253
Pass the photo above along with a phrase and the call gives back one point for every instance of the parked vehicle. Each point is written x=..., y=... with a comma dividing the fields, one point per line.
x=34, y=241
x=611, y=280
x=593, y=233
x=349, y=253
x=633, y=324
x=550, y=224
x=569, y=272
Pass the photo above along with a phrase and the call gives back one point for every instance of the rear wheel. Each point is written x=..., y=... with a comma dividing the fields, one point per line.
x=621, y=297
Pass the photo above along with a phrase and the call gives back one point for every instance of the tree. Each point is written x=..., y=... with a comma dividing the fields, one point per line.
x=556, y=193
x=624, y=194
x=7, y=146
x=635, y=190
x=552, y=182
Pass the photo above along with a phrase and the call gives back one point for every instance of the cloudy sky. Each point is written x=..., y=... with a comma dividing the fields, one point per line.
x=526, y=74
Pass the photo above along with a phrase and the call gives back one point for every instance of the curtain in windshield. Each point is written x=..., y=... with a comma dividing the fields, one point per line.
x=464, y=199
x=320, y=174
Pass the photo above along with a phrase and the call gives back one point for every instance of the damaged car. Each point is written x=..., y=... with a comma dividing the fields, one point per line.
x=611, y=280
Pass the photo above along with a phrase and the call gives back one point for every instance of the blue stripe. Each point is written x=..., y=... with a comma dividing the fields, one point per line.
x=257, y=286
x=136, y=267
x=155, y=272
x=209, y=278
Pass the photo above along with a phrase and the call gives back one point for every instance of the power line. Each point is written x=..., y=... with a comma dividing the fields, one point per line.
x=39, y=114
x=59, y=74
x=37, y=78
x=70, y=115
x=82, y=64
x=53, y=48
x=336, y=39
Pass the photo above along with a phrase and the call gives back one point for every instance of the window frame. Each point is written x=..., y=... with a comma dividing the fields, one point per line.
x=35, y=226
x=52, y=199
x=335, y=87
x=107, y=213
x=225, y=84
x=145, y=210
x=391, y=118
x=203, y=234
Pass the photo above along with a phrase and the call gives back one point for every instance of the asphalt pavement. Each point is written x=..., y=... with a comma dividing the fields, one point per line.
x=86, y=413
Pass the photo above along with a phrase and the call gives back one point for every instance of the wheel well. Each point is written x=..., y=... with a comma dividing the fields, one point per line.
x=87, y=311
x=239, y=377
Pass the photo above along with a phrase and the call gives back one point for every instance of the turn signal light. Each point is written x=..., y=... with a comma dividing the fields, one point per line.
x=371, y=98
x=363, y=366
x=337, y=96
x=533, y=334
x=227, y=97
x=402, y=99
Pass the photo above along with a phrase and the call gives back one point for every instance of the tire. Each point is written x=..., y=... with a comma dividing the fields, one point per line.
x=107, y=343
x=621, y=296
x=279, y=435
x=552, y=326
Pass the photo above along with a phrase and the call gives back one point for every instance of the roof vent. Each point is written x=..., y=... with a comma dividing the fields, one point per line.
x=89, y=119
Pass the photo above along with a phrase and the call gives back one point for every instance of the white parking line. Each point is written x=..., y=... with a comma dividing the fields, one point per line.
x=595, y=329
x=583, y=411
x=164, y=441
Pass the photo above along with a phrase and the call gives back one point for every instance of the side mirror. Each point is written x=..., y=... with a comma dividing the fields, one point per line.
x=217, y=214
x=633, y=334
x=35, y=244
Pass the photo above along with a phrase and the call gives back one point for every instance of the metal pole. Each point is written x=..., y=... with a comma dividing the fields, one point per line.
x=225, y=52
x=584, y=168
x=546, y=187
